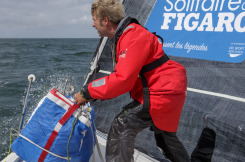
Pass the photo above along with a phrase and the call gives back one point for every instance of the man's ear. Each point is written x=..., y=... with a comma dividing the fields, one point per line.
x=105, y=20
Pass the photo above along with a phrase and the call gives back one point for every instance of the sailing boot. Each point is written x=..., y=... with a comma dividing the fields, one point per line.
x=170, y=146
x=205, y=146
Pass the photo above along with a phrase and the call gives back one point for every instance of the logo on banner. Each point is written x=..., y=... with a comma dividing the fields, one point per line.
x=202, y=29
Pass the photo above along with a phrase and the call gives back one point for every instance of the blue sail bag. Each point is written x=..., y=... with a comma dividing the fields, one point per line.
x=47, y=134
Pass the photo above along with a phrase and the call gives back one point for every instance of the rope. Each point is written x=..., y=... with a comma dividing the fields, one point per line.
x=43, y=148
x=43, y=89
x=93, y=158
x=24, y=108
x=9, y=143
x=97, y=145
x=27, y=139
x=93, y=136
x=73, y=125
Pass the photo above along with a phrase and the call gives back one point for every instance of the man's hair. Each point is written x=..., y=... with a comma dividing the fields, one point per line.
x=112, y=9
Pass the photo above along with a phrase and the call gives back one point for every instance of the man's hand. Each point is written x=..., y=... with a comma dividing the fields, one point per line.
x=79, y=99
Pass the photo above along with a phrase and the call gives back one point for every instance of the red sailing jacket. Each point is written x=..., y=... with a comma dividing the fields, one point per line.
x=167, y=83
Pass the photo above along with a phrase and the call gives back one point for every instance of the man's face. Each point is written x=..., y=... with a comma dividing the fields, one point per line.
x=99, y=26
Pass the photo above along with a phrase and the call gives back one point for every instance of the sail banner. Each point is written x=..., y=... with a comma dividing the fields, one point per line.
x=201, y=29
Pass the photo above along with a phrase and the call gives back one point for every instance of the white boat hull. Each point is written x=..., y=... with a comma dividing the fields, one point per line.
x=138, y=156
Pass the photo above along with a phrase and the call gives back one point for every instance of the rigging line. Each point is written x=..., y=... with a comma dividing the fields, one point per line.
x=202, y=91
x=96, y=59
x=27, y=139
x=105, y=72
x=216, y=94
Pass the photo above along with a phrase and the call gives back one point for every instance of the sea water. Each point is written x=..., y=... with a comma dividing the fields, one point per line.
x=51, y=61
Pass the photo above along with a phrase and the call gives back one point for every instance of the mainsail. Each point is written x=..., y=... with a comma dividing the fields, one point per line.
x=213, y=53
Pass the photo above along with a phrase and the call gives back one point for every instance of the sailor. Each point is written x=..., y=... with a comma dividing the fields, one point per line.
x=156, y=84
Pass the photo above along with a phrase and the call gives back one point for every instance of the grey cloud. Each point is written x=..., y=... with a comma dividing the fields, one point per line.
x=53, y=18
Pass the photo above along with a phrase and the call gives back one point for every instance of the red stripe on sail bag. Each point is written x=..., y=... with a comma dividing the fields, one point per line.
x=55, y=91
x=53, y=135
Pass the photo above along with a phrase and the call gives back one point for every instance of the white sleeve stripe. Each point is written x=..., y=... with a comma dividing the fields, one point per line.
x=98, y=83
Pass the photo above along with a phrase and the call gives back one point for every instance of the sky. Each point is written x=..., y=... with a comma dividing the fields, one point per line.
x=46, y=19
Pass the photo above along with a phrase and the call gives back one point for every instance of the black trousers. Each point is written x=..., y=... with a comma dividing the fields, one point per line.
x=127, y=124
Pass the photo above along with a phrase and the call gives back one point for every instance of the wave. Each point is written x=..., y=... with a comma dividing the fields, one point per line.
x=3, y=83
x=80, y=53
